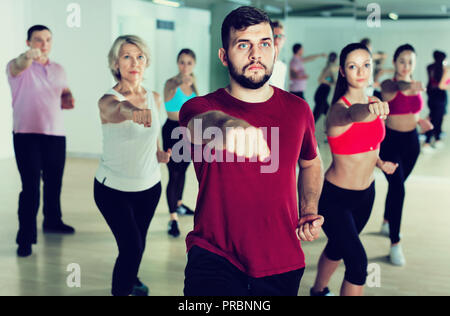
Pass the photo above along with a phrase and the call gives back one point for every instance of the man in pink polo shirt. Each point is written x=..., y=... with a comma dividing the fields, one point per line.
x=298, y=76
x=40, y=93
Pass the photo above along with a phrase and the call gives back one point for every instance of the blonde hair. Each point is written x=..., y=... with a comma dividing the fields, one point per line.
x=113, y=57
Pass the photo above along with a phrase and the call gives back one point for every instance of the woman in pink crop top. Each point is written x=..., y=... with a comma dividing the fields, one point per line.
x=402, y=140
x=355, y=128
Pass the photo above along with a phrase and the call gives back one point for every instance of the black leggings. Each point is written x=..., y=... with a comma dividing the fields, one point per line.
x=177, y=170
x=402, y=148
x=129, y=216
x=437, y=102
x=321, y=100
x=39, y=156
x=346, y=214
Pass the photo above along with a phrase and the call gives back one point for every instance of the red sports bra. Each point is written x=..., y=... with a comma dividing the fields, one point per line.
x=361, y=137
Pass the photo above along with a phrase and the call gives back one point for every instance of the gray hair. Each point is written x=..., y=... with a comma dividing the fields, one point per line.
x=114, y=53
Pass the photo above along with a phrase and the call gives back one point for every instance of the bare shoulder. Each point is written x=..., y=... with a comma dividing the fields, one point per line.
x=107, y=99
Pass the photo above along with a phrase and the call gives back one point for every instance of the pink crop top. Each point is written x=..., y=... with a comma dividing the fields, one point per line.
x=406, y=104
x=361, y=137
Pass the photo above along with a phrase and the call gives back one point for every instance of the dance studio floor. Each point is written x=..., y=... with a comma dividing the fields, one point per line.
x=426, y=238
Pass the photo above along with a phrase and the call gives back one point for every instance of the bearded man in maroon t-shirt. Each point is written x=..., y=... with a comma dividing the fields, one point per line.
x=250, y=137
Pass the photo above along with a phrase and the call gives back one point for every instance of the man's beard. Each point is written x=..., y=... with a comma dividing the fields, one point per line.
x=248, y=82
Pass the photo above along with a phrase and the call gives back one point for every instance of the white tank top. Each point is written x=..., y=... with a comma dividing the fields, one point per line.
x=129, y=162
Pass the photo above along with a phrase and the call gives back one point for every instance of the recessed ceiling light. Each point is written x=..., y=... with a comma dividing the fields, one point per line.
x=241, y=2
x=168, y=3
x=393, y=16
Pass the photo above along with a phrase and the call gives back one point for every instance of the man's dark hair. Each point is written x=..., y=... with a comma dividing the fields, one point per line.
x=240, y=19
x=36, y=28
x=296, y=48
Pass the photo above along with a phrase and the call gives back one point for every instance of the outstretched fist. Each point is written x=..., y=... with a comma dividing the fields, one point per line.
x=380, y=109
x=34, y=54
x=143, y=117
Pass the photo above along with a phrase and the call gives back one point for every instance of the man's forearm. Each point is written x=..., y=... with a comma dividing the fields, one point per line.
x=310, y=187
x=21, y=63
x=214, y=119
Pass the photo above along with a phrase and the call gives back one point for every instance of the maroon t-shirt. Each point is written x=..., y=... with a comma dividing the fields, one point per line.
x=245, y=215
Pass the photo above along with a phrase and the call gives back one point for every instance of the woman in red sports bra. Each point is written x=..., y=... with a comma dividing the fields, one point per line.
x=355, y=129
x=402, y=144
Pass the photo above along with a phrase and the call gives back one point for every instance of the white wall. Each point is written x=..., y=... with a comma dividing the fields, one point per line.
x=12, y=21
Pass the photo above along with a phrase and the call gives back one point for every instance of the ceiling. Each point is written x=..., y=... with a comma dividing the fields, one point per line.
x=405, y=9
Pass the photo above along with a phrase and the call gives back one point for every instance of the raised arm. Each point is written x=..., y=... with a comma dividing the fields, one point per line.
x=24, y=61
x=238, y=135
x=114, y=111
x=313, y=57
x=170, y=88
x=340, y=115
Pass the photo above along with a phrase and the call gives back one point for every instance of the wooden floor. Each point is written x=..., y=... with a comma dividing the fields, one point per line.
x=426, y=239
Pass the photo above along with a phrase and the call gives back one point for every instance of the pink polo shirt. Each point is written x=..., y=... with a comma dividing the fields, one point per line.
x=297, y=65
x=36, y=99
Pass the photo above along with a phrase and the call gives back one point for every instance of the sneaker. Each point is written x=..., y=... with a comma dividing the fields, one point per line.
x=385, y=230
x=184, y=210
x=325, y=292
x=427, y=149
x=60, y=228
x=396, y=256
x=439, y=145
x=174, y=231
x=140, y=289
x=24, y=251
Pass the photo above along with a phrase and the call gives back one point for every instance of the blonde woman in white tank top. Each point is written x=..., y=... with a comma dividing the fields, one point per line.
x=127, y=185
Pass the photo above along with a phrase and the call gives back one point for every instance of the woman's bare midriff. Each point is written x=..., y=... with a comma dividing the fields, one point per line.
x=173, y=116
x=353, y=172
x=402, y=123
